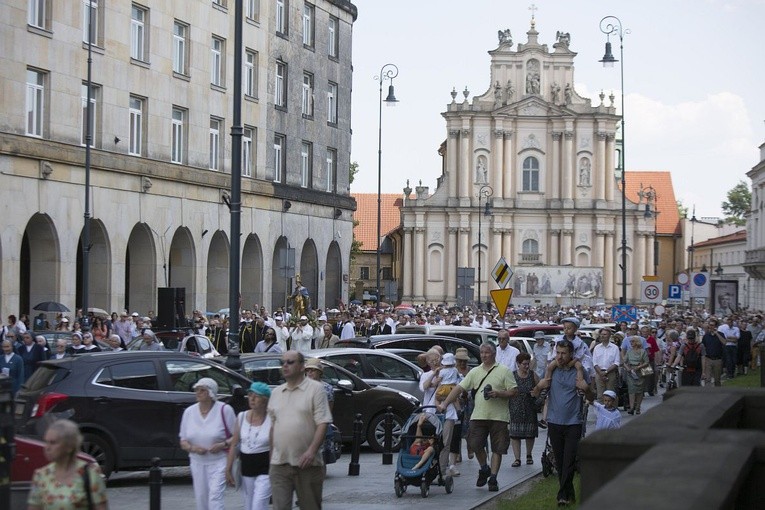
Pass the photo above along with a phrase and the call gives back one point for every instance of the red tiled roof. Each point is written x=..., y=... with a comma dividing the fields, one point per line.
x=366, y=216
x=736, y=237
x=666, y=204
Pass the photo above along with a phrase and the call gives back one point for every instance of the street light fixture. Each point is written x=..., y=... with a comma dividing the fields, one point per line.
x=387, y=72
x=613, y=25
x=485, y=192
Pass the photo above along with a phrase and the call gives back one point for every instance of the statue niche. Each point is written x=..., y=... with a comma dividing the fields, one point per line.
x=532, y=77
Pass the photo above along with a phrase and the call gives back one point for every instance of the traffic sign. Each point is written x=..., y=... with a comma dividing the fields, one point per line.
x=626, y=313
x=502, y=273
x=682, y=278
x=651, y=292
x=501, y=298
x=700, y=285
x=675, y=294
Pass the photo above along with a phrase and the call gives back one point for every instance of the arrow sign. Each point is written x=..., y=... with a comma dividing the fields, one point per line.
x=501, y=298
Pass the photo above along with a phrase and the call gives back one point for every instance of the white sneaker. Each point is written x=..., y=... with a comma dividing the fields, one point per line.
x=452, y=471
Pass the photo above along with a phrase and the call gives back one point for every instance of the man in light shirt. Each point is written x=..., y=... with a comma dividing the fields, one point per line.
x=730, y=353
x=506, y=353
x=606, y=357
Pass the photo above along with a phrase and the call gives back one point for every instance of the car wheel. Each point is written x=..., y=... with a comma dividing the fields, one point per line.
x=376, y=432
x=98, y=448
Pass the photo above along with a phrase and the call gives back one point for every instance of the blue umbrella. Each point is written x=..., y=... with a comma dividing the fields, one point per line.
x=50, y=306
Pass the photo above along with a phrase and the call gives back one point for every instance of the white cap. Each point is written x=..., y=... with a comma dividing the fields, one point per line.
x=609, y=393
x=448, y=360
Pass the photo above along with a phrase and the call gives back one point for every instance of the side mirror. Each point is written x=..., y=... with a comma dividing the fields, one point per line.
x=237, y=391
x=345, y=384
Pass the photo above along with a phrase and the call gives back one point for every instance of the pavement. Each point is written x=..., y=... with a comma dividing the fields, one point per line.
x=372, y=489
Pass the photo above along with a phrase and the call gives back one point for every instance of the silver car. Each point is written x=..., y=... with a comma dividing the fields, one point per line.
x=375, y=367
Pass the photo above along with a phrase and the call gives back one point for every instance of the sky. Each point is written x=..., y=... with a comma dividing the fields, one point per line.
x=693, y=79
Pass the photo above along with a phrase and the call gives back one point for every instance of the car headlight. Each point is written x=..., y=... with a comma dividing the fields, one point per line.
x=411, y=398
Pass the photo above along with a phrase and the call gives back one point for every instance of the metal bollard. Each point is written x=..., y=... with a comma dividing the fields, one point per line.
x=354, y=467
x=155, y=485
x=387, y=457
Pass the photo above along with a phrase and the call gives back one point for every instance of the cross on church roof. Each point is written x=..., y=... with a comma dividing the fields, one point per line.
x=533, y=8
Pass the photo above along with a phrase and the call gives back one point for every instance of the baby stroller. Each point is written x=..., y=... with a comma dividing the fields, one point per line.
x=430, y=472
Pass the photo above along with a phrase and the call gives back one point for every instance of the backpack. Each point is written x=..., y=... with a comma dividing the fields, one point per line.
x=692, y=357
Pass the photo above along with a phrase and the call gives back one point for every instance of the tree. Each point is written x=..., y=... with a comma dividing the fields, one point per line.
x=352, y=171
x=682, y=210
x=738, y=204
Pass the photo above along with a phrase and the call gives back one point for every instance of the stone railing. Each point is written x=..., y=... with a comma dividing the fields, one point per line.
x=530, y=258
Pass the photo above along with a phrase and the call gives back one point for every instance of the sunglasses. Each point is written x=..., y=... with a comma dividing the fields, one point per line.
x=289, y=361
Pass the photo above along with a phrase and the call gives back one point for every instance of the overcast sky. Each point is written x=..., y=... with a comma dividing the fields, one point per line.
x=694, y=72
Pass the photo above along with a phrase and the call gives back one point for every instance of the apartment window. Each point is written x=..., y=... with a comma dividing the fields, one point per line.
x=308, y=19
x=222, y=3
x=280, y=163
x=280, y=87
x=331, y=170
x=306, y=164
x=37, y=12
x=252, y=9
x=530, y=247
x=282, y=8
x=178, y=142
x=180, y=45
x=250, y=85
x=248, y=151
x=332, y=103
x=531, y=174
x=364, y=272
x=216, y=64
x=333, y=42
x=94, y=89
x=138, y=33
x=307, y=95
x=135, y=144
x=90, y=11
x=35, y=102
x=216, y=126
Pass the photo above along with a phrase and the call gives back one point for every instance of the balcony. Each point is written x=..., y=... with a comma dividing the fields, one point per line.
x=754, y=263
x=530, y=258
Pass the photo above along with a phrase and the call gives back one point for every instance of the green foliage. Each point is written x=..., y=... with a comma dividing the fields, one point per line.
x=738, y=204
x=682, y=210
x=542, y=494
x=355, y=244
x=352, y=171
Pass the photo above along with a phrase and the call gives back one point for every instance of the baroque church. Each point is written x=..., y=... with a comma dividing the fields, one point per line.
x=528, y=176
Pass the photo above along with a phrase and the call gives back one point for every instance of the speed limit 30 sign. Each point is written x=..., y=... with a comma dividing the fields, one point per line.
x=651, y=292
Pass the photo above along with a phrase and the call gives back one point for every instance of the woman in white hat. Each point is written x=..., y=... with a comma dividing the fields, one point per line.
x=206, y=430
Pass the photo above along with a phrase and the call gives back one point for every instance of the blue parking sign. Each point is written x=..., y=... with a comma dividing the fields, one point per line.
x=675, y=292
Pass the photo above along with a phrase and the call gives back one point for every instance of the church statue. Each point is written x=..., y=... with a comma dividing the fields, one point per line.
x=497, y=95
x=509, y=92
x=564, y=39
x=568, y=93
x=584, y=173
x=481, y=174
x=301, y=301
x=505, y=37
x=532, y=83
x=555, y=89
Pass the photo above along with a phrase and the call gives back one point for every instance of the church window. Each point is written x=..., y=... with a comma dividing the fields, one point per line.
x=531, y=174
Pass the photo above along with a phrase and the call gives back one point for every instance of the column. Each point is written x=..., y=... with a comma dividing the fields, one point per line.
x=554, y=247
x=419, y=264
x=566, y=251
x=609, y=279
x=497, y=173
x=407, y=263
x=452, y=156
x=451, y=267
x=649, y=259
x=464, y=247
x=600, y=168
x=610, y=165
x=556, y=169
x=509, y=166
x=598, y=256
x=638, y=263
x=568, y=172
x=466, y=170
x=507, y=246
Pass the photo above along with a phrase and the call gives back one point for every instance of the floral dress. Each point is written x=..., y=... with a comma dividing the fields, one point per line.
x=48, y=494
x=523, y=413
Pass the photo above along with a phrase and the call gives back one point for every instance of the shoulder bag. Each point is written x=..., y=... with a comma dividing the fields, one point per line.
x=236, y=466
x=475, y=390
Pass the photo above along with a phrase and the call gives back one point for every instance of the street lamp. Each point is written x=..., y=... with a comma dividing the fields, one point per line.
x=613, y=25
x=485, y=192
x=387, y=72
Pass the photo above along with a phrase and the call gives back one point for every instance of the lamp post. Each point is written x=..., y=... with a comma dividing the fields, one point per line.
x=387, y=72
x=84, y=321
x=485, y=192
x=613, y=25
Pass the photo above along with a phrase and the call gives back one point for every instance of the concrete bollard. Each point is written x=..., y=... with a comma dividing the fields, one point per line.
x=354, y=467
x=387, y=456
x=155, y=485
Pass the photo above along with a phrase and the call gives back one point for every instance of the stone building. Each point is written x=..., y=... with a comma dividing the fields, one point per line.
x=162, y=101
x=543, y=158
x=754, y=262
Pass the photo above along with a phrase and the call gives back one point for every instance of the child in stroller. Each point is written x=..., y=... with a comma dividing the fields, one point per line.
x=422, y=446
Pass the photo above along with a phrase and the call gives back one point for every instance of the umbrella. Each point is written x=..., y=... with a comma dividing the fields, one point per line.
x=223, y=311
x=355, y=302
x=99, y=312
x=50, y=306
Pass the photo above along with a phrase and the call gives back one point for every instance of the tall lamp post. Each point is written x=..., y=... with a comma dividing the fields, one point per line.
x=84, y=320
x=613, y=25
x=485, y=192
x=387, y=72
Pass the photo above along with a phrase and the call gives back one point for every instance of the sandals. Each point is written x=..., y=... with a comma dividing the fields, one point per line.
x=529, y=459
x=517, y=463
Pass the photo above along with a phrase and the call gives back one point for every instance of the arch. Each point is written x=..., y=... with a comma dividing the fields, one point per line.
x=99, y=262
x=583, y=259
x=217, y=272
x=530, y=174
x=333, y=284
x=252, y=272
x=279, y=282
x=309, y=270
x=530, y=246
x=181, y=264
x=435, y=264
x=140, y=270
x=39, y=263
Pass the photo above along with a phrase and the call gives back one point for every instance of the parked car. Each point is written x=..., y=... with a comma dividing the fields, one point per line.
x=408, y=354
x=128, y=404
x=352, y=395
x=196, y=345
x=471, y=334
x=425, y=342
x=528, y=330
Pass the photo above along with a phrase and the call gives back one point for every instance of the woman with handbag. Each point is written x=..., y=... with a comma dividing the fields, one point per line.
x=250, y=447
x=636, y=367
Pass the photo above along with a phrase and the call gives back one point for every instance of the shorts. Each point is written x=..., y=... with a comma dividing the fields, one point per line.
x=495, y=430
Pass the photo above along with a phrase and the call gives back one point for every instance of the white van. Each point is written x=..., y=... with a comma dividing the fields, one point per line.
x=476, y=336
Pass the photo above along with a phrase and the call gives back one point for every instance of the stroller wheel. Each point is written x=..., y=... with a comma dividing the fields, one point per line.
x=449, y=483
x=424, y=489
x=399, y=487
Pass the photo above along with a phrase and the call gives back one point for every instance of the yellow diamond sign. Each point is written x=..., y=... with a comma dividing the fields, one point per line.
x=502, y=273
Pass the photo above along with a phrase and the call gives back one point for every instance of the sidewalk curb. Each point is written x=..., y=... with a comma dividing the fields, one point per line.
x=489, y=502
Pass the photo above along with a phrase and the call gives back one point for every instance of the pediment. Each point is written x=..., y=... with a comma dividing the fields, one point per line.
x=533, y=106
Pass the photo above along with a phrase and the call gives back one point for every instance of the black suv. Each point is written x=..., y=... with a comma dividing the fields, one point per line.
x=128, y=404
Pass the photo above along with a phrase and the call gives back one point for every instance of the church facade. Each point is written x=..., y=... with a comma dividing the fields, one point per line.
x=529, y=177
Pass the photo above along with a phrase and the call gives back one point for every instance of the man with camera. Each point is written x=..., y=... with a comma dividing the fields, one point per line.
x=491, y=385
